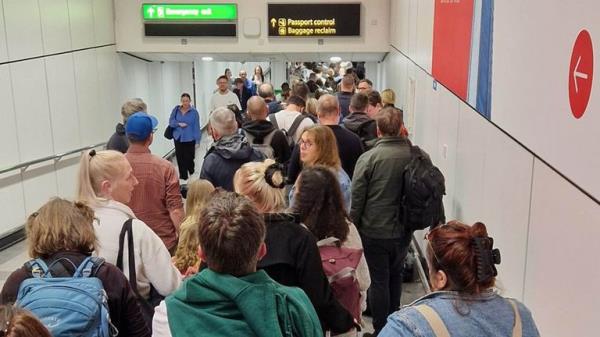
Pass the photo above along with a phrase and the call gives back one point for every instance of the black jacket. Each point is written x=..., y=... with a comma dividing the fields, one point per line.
x=225, y=157
x=243, y=96
x=293, y=260
x=260, y=129
x=122, y=305
x=363, y=126
x=118, y=141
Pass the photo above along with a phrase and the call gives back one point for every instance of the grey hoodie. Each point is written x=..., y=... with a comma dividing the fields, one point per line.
x=225, y=157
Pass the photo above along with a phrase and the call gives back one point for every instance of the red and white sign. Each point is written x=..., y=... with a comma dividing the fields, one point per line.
x=581, y=73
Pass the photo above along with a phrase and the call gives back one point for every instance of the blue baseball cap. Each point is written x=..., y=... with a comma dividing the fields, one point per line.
x=140, y=125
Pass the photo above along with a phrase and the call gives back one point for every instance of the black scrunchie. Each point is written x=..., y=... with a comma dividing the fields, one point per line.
x=486, y=258
x=92, y=153
x=270, y=171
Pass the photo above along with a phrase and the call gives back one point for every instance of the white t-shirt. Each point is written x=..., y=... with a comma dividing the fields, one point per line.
x=218, y=100
x=285, y=119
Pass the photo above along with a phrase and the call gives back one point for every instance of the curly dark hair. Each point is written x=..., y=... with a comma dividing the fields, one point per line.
x=319, y=203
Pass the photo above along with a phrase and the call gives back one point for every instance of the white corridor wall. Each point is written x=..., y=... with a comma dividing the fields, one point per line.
x=545, y=226
x=62, y=84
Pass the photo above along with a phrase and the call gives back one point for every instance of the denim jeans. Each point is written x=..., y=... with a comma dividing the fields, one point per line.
x=385, y=258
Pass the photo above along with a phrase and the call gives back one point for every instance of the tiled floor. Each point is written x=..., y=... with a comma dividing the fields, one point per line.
x=14, y=257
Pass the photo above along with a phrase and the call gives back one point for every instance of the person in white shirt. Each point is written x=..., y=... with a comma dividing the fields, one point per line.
x=223, y=97
x=284, y=119
x=106, y=183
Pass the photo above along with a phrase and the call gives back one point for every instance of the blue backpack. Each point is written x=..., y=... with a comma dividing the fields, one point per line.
x=68, y=306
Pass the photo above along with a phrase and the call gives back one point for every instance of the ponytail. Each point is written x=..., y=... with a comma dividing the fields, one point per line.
x=94, y=168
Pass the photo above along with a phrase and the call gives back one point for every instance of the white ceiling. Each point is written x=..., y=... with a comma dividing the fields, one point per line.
x=252, y=57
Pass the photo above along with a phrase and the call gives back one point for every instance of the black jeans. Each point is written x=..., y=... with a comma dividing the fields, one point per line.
x=385, y=258
x=185, y=152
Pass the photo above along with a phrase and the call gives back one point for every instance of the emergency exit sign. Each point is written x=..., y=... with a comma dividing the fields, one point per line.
x=189, y=12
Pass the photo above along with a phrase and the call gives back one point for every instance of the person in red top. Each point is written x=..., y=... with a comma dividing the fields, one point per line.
x=156, y=200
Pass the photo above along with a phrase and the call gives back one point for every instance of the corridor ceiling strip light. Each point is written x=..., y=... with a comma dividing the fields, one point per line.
x=207, y=58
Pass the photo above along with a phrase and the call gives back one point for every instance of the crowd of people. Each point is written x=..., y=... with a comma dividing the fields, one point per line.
x=293, y=227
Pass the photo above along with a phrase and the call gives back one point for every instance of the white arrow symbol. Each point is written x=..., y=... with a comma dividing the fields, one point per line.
x=151, y=11
x=577, y=74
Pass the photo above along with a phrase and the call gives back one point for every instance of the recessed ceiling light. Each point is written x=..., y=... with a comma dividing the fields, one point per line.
x=207, y=58
x=335, y=59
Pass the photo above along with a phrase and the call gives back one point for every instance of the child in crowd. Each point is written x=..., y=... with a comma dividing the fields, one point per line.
x=186, y=258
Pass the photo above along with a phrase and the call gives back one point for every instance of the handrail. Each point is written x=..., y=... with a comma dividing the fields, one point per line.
x=169, y=154
x=418, y=253
x=56, y=157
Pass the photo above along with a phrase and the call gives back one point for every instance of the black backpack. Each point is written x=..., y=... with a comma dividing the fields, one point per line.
x=423, y=189
x=289, y=134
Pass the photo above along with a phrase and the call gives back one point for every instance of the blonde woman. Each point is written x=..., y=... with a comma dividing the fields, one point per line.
x=61, y=234
x=292, y=258
x=106, y=182
x=318, y=146
x=186, y=258
x=388, y=98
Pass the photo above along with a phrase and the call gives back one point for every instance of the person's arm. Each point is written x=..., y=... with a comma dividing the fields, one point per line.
x=173, y=118
x=157, y=264
x=313, y=281
x=11, y=286
x=237, y=101
x=173, y=199
x=196, y=126
x=360, y=187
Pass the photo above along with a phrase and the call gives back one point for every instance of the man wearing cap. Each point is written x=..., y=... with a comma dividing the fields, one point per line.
x=156, y=200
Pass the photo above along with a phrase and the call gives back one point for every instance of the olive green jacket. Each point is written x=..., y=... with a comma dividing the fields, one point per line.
x=376, y=188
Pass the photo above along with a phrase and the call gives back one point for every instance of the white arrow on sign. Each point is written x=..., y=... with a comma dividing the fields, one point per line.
x=151, y=11
x=578, y=74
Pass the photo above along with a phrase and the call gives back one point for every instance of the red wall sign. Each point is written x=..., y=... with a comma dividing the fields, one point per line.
x=581, y=73
x=452, y=44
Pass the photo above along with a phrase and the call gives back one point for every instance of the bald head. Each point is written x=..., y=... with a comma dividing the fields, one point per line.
x=265, y=91
x=257, y=108
x=328, y=108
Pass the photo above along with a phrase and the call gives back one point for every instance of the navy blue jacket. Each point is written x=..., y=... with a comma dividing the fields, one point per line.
x=225, y=157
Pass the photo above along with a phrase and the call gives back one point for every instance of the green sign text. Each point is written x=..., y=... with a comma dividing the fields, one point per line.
x=189, y=12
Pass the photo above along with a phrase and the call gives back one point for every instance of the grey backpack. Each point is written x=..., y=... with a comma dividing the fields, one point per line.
x=265, y=147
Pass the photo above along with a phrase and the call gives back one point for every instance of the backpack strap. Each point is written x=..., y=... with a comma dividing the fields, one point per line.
x=273, y=120
x=38, y=268
x=330, y=241
x=87, y=266
x=517, y=328
x=269, y=137
x=292, y=130
x=434, y=320
x=128, y=230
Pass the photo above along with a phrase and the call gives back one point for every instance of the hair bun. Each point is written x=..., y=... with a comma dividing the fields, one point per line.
x=274, y=175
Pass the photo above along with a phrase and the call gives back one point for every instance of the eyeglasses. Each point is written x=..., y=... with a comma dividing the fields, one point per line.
x=305, y=145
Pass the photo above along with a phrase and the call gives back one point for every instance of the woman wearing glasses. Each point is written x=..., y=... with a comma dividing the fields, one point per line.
x=318, y=146
x=462, y=274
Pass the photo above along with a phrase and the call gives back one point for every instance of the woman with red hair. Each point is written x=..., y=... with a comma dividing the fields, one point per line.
x=462, y=274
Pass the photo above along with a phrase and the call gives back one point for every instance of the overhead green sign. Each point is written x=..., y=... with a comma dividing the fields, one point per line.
x=189, y=12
